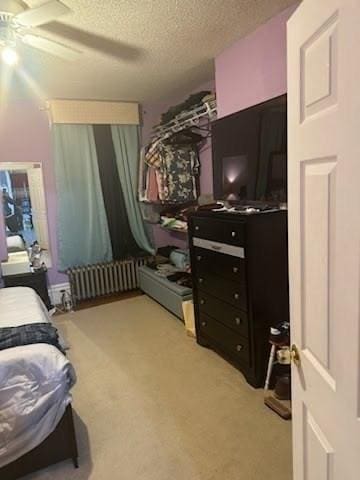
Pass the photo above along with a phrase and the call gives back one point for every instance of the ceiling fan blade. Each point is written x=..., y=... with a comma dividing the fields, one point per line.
x=49, y=11
x=49, y=46
x=107, y=46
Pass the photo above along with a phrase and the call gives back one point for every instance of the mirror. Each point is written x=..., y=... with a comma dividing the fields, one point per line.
x=24, y=207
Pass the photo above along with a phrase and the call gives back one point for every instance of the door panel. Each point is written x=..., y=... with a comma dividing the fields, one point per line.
x=324, y=236
x=318, y=459
x=37, y=196
x=318, y=56
x=317, y=189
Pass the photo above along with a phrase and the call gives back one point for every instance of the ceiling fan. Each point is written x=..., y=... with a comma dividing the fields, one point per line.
x=17, y=22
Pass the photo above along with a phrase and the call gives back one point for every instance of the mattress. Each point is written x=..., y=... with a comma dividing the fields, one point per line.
x=35, y=380
x=21, y=306
x=15, y=244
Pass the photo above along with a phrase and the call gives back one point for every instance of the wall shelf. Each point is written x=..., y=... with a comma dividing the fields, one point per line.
x=188, y=118
x=177, y=230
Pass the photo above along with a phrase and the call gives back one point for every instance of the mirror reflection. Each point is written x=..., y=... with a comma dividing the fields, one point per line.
x=17, y=207
x=24, y=207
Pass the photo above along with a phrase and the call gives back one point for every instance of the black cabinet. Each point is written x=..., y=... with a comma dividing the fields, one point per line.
x=240, y=276
x=36, y=280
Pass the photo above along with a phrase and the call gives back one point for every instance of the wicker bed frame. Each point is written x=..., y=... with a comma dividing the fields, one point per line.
x=58, y=446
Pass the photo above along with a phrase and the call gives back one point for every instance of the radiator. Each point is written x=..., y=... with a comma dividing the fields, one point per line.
x=105, y=278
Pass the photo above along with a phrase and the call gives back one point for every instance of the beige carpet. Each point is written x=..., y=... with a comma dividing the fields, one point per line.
x=152, y=405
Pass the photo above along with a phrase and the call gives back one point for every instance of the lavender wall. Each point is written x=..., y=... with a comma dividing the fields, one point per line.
x=25, y=137
x=253, y=69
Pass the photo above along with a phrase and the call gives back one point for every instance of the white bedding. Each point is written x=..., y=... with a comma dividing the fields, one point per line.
x=15, y=244
x=21, y=306
x=35, y=380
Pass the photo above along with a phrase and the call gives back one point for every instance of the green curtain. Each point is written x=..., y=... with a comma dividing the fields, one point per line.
x=127, y=151
x=83, y=235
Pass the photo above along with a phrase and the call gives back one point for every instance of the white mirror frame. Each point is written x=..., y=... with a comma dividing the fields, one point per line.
x=38, y=200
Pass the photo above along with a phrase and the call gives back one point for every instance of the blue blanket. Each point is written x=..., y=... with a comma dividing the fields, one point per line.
x=29, y=334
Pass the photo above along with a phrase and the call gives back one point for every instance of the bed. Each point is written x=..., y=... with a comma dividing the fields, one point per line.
x=36, y=421
x=15, y=243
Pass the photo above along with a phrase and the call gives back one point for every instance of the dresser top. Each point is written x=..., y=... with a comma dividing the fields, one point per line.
x=238, y=214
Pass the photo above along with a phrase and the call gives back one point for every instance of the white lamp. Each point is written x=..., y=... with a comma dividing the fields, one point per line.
x=9, y=56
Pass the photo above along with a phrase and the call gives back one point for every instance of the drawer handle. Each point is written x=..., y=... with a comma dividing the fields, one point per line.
x=233, y=234
x=235, y=269
x=239, y=348
x=198, y=258
x=201, y=280
x=238, y=321
x=236, y=296
x=197, y=227
x=216, y=247
x=202, y=301
x=203, y=323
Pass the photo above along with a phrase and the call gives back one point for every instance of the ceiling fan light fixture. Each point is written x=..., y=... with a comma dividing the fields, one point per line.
x=9, y=56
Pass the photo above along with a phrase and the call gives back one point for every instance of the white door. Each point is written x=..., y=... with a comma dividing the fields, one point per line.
x=38, y=205
x=324, y=236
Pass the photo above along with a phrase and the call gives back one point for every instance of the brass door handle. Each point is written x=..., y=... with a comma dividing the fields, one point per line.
x=295, y=355
x=286, y=355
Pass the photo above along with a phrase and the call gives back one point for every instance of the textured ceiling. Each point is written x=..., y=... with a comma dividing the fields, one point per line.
x=143, y=50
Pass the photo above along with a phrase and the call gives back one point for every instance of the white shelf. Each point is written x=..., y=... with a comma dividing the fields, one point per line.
x=188, y=118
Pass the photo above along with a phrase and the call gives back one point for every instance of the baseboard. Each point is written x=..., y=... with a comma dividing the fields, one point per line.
x=55, y=292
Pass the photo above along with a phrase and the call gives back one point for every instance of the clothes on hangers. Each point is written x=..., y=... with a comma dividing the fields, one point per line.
x=180, y=168
x=184, y=137
x=143, y=173
x=152, y=187
x=168, y=172
x=170, y=166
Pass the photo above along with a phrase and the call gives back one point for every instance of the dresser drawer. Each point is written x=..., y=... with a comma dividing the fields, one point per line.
x=227, y=340
x=223, y=312
x=227, y=266
x=231, y=292
x=219, y=230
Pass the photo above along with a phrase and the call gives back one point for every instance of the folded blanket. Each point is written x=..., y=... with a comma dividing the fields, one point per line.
x=29, y=334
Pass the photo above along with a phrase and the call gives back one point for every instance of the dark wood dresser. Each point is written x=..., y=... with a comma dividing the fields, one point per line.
x=240, y=276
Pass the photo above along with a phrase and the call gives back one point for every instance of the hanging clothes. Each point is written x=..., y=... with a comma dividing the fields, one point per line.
x=176, y=169
x=180, y=167
x=143, y=173
x=152, y=191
